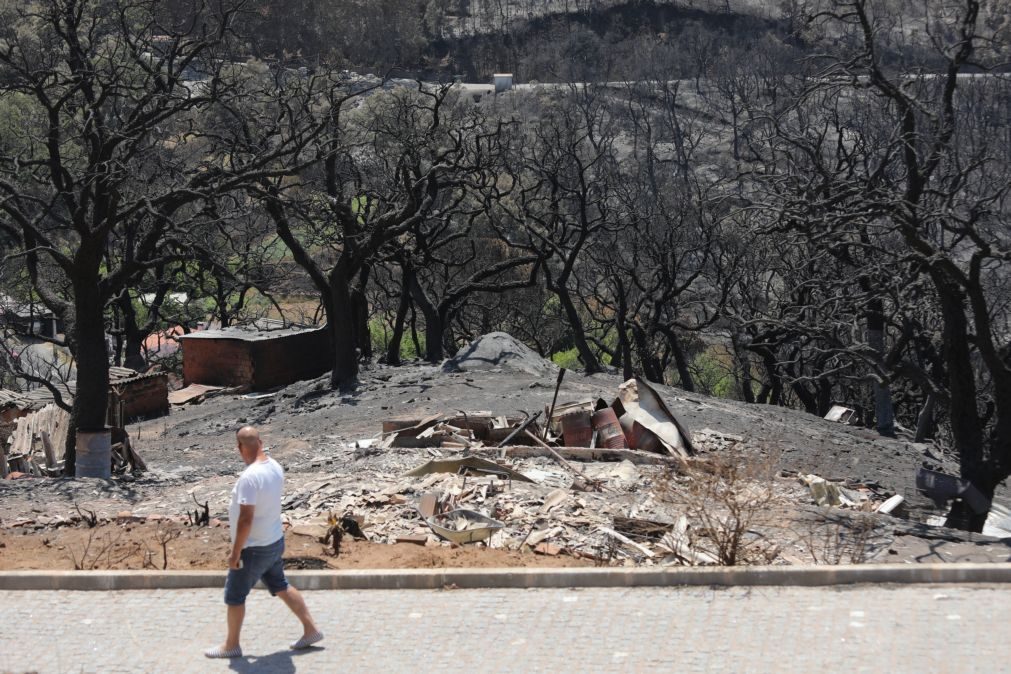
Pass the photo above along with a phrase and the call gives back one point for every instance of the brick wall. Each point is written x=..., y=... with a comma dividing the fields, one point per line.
x=260, y=364
x=219, y=362
x=142, y=398
x=278, y=362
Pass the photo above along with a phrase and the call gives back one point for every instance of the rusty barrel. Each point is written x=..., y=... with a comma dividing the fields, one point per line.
x=609, y=433
x=94, y=453
x=576, y=429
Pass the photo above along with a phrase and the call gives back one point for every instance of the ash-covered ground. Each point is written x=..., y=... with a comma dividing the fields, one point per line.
x=315, y=433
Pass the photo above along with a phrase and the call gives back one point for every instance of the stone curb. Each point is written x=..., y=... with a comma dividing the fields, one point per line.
x=431, y=579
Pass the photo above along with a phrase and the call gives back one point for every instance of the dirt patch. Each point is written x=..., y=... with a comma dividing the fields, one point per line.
x=137, y=546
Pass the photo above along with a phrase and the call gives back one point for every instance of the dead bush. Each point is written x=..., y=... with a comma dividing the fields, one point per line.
x=162, y=538
x=728, y=500
x=836, y=542
x=102, y=551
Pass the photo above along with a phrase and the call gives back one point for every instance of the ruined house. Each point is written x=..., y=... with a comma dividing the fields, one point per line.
x=255, y=359
x=132, y=396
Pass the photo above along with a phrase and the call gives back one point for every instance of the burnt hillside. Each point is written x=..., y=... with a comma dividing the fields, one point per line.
x=546, y=41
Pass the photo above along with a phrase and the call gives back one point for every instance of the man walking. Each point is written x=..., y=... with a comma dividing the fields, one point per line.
x=258, y=545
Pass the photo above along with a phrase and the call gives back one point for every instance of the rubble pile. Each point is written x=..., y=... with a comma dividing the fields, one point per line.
x=499, y=350
x=594, y=481
x=36, y=444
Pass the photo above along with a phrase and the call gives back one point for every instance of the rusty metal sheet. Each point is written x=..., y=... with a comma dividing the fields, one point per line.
x=191, y=393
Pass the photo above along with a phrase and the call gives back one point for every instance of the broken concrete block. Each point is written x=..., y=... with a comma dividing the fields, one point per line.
x=429, y=503
x=891, y=504
x=416, y=539
x=547, y=549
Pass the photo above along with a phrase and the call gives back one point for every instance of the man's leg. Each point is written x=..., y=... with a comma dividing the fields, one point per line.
x=294, y=600
x=236, y=614
x=237, y=587
x=230, y=649
x=278, y=585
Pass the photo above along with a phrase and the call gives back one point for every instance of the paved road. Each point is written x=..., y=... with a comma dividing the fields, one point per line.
x=916, y=628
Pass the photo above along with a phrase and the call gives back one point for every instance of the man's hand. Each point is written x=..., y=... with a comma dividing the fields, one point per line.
x=242, y=529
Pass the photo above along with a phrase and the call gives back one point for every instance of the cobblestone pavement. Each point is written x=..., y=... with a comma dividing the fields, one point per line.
x=912, y=628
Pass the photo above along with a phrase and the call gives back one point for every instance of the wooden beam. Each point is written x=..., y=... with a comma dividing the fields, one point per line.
x=584, y=454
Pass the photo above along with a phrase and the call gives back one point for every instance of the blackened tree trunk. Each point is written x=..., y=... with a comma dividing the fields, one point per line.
x=925, y=419
x=133, y=335
x=341, y=320
x=399, y=324
x=966, y=426
x=772, y=390
x=884, y=414
x=586, y=355
x=88, y=345
x=434, y=325
x=651, y=369
x=360, y=306
x=680, y=360
x=744, y=378
x=336, y=295
x=807, y=399
x=624, y=347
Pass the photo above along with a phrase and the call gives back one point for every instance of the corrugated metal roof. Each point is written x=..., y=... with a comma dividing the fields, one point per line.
x=124, y=375
x=9, y=398
x=40, y=397
x=35, y=399
x=248, y=334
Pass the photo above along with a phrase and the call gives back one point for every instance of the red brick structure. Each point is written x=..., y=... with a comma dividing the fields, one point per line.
x=137, y=396
x=255, y=359
x=142, y=396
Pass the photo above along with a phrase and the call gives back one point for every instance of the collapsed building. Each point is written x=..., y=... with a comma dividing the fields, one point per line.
x=132, y=395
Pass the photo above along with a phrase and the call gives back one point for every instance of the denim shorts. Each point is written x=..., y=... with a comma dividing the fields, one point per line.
x=258, y=563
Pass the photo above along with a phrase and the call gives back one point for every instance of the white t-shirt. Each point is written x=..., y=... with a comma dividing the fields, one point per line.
x=261, y=484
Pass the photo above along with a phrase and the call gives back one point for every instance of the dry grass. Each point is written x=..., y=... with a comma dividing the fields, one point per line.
x=729, y=501
x=841, y=542
x=102, y=551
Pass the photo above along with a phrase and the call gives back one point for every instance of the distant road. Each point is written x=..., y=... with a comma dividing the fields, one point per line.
x=488, y=88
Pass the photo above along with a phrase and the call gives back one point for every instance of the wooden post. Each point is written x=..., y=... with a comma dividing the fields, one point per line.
x=4, y=468
x=47, y=447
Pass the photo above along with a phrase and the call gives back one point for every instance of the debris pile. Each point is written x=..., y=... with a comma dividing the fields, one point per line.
x=499, y=350
x=586, y=478
x=589, y=482
x=37, y=443
x=636, y=425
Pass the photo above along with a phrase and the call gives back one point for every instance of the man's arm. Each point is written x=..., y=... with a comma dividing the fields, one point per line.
x=242, y=530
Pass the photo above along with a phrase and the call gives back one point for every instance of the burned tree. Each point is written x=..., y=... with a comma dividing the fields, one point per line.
x=902, y=166
x=385, y=168
x=116, y=155
x=564, y=168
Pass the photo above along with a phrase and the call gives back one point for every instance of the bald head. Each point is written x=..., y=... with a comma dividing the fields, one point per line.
x=250, y=445
x=248, y=437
